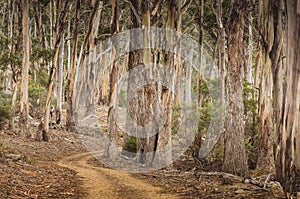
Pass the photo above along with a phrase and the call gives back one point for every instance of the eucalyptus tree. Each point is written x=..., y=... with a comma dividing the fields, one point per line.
x=24, y=108
x=62, y=8
x=287, y=152
x=265, y=130
x=114, y=75
x=235, y=161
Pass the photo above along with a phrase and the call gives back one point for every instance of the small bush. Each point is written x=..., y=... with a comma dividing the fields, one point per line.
x=5, y=108
x=36, y=98
x=130, y=144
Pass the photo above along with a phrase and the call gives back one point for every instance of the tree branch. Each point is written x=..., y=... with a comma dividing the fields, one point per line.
x=134, y=12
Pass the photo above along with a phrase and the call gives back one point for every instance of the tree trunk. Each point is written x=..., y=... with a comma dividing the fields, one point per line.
x=288, y=150
x=79, y=96
x=265, y=126
x=249, y=79
x=221, y=49
x=235, y=161
x=70, y=123
x=60, y=83
x=135, y=59
x=39, y=24
x=14, y=47
x=92, y=63
x=24, y=109
x=111, y=150
x=164, y=145
x=103, y=99
x=59, y=32
x=276, y=57
x=201, y=29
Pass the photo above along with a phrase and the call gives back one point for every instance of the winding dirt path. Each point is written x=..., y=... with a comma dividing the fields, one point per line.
x=103, y=183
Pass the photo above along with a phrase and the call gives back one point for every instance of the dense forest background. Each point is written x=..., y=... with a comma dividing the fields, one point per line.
x=50, y=68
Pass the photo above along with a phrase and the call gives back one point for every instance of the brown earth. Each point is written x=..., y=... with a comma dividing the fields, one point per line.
x=62, y=168
x=34, y=173
x=99, y=182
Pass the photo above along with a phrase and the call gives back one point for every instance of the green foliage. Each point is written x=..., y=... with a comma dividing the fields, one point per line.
x=204, y=88
x=218, y=153
x=35, y=92
x=7, y=56
x=123, y=99
x=211, y=106
x=250, y=106
x=205, y=117
x=37, y=97
x=38, y=52
x=249, y=102
x=42, y=78
x=5, y=108
x=130, y=144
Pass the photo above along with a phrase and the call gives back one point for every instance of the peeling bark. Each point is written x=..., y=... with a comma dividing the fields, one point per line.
x=288, y=149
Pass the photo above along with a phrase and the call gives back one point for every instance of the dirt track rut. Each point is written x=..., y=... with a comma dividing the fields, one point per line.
x=104, y=183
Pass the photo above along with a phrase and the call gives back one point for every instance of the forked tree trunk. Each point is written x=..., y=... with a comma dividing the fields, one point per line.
x=59, y=32
x=235, y=161
x=288, y=150
x=24, y=108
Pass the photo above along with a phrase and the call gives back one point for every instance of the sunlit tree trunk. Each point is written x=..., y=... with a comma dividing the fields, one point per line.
x=235, y=161
x=81, y=75
x=60, y=82
x=92, y=62
x=288, y=150
x=24, y=108
x=70, y=123
x=39, y=24
x=60, y=25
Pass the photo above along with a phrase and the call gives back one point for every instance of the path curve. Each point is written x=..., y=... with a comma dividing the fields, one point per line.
x=104, y=183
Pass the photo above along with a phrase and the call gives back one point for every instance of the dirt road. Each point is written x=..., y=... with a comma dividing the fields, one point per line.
x=103, y=183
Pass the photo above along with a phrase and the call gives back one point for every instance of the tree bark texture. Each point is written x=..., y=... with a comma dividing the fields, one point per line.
x=24, y=108
x=288, y=150
x=265, y=115
x=235, y=161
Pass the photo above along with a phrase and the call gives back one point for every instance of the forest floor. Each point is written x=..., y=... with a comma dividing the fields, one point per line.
x=62, y=168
